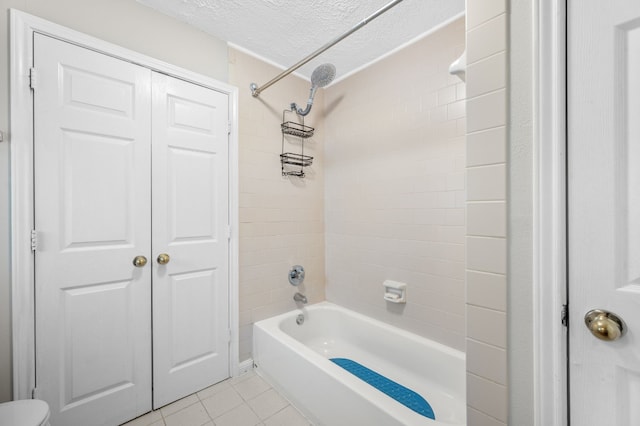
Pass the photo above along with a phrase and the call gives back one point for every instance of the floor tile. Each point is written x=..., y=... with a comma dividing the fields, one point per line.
x=212, y=390
x=245, y=400
x=267, y=403
x=193, y=415
x=239, y=416
x=242, y=377
x=180, y=404
x=250, y=388
x=222, y=402
x=146, y=420
x=287, y=417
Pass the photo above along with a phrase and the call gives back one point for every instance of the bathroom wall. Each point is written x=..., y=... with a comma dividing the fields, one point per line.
x=395, y=187
x=123, y=22
x=487, y=393
x=281, y=218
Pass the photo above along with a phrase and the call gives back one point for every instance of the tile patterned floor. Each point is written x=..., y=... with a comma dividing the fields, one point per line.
x=246, y=400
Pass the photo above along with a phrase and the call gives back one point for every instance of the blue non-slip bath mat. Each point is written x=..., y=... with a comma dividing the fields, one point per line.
x=403, y=395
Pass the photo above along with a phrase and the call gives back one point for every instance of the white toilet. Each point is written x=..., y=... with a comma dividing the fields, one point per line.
x=24, y=412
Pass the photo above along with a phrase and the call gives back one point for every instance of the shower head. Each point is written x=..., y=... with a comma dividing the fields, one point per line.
x=320, y=77
x=323, y=75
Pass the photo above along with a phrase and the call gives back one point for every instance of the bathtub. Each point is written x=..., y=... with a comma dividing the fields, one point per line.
x=294, y=359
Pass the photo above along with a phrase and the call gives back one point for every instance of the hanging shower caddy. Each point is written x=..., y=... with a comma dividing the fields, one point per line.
x=293, y=164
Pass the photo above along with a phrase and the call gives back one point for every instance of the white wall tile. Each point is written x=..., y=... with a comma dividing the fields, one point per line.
x=486, y=111
x=447, y=95
x=487, y=325
x=479, y=12
x=487, y=361
x=487, y=290
x=395, y=188
x=456, y=110
x=487, y=254
x=487, y=75
x=486, y=39
x=487, y=219
x=487, y=397
x=281, y=220
x=478, y=418
x=487, y=147
x=486, y=183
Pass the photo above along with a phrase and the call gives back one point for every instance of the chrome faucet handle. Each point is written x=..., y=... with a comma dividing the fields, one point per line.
x=296, y=275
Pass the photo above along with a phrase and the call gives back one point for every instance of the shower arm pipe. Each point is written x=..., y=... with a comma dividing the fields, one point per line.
x=255, y=90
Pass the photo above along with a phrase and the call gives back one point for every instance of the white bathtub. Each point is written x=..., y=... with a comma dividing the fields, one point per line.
x=295, y=360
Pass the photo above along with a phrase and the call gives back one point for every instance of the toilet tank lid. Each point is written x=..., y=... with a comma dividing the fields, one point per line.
x=24, y=412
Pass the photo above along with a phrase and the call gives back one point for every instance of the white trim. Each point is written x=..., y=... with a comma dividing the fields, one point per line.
x=265, y=60
x=416, y=39
x=550, y=349
x=245, y=366
x=23, y=26
x=21, y=149
x=360, y=68
x=234, y=241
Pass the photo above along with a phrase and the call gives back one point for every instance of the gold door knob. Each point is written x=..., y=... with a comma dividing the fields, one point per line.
x=163, y=259
x=605, y=325
x=139, y=261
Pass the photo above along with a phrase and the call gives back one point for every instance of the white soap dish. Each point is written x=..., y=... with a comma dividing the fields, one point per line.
x=395, y=291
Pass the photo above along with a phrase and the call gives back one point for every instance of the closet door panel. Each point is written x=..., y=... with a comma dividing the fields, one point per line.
x=190, y=222
x=92, y=161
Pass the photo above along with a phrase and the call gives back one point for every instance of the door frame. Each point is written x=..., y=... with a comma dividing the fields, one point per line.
x=550, y=292
x=22, y=28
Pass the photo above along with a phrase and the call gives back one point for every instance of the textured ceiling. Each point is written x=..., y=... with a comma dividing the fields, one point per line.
x=285, y=31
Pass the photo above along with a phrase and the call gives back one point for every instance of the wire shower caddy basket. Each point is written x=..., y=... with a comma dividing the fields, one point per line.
x=293, y=164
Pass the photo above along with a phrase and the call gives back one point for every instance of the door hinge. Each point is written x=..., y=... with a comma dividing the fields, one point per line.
x=228, y=233
x=34, y=240
x=229, y=336
x=35, y=394
x=33, y=78
x=228, y=127
x=564, y=315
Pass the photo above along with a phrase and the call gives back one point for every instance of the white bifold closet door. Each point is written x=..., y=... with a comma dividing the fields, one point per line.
x=190, y=223
x=105, y=327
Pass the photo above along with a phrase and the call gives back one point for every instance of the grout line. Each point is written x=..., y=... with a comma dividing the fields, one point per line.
x=480, y=166
x=488, y=415
x=487, y=309
x=487, y=344
x=486, y=129
x=487, y=379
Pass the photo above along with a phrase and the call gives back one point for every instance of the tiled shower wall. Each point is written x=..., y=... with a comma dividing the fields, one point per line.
x=281, y=219
x=486, y=213
x=395, y=187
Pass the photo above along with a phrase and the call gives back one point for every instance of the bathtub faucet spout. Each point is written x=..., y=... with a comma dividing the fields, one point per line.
x=299, y=297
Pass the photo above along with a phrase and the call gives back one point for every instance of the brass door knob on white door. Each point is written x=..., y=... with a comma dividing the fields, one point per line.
x=139, y=261
x=605, y=325
x=163, y=258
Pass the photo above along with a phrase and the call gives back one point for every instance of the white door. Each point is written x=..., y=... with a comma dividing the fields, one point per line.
x=604, y=208
x=92, y=201
x=190, y=222
x=97, y=121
